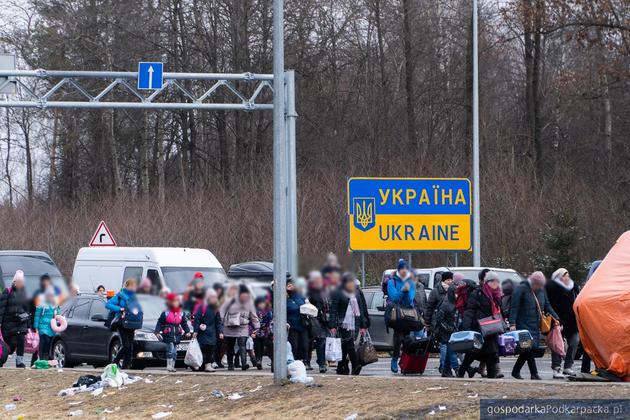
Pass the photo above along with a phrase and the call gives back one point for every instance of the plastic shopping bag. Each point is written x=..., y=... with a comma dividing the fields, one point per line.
x=31, y=344
x=297, y=373
x=112, y=376
x=333, y=349
x=555, y=341
x=194, y=357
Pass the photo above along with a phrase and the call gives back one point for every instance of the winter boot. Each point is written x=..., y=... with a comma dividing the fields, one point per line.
x=394, y=365
x=209, y=367
x=170, y=365
x=19, y=362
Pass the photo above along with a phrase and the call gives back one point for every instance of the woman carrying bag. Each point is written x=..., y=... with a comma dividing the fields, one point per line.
x=483, y=313
x=348, y=319
x=531, y=311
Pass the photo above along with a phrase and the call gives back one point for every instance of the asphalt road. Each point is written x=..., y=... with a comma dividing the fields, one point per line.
x=380, y=368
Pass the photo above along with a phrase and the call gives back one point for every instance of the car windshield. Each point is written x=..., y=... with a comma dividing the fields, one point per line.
x=178, y=278
x=152, y=307
x=33, y=266
x=31, y=283
x=503, y=275
x=260, y=290
x=248, y=279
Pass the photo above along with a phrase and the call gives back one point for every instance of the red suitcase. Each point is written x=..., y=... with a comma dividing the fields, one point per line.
x=413, y=363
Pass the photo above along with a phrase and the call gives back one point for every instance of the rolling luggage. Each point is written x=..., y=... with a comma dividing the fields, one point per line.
x=465, y=341
x=413, y=363
x=415, y=354
x=522, y=338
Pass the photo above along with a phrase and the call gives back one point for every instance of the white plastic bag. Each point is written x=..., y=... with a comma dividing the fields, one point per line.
x=333, y=349
x=112, y=376
x=194, y=357
x=297, y=373
x=308, y=309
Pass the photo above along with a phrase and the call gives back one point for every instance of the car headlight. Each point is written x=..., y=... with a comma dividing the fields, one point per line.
x=145, y=336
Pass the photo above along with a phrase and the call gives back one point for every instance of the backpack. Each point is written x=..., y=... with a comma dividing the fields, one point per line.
x=384, y=284
x=133, y=316
x=463, y=292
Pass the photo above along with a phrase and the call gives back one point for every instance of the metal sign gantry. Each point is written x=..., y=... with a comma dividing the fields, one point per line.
x=67, y=89
x=71, y=84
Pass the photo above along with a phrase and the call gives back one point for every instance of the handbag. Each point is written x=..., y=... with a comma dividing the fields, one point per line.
x=31, y=342
x=545, y=319
x=492, y=325
x=366, y=353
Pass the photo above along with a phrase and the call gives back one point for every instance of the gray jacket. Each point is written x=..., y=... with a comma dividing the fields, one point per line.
x=232, y=312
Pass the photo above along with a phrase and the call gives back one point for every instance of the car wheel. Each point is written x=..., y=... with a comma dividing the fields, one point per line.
x=114, y=349
x=60, y=354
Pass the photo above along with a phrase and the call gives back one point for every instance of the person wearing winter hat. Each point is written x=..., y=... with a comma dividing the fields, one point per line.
x=562, y=292
x=197, y=295
x=525, y=315
x=171, y=327
x=238, y=313
x=15, y=316
x=401, y=290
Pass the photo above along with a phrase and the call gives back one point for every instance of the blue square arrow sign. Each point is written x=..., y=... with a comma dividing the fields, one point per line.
x=150, y=75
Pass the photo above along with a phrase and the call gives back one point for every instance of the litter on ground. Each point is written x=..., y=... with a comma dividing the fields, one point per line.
x=235, y=396
x=161, y=414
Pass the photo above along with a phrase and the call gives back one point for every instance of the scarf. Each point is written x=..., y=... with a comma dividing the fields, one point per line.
x=351, y=312
x=567, y=287
x=494, y=296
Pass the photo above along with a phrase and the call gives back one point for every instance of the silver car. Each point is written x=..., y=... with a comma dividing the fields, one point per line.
x=381, y=338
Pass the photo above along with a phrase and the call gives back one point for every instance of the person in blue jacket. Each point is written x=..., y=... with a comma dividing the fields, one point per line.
x=298, y=333
x=124, y=301
x=44, y=313
x=401, y=289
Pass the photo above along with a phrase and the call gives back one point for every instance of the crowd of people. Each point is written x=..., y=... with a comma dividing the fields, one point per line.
x=457, y=304
x=229, y=322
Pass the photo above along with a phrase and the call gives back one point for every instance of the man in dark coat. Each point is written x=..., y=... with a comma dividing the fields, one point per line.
x=319, y=325
x=483, y=302
x=562, y=292
x=436, y=296
x=14, y=317
x=348, y=318
x=507, y=287
x=528, y=297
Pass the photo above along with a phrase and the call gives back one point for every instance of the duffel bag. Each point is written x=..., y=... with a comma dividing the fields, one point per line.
x=465, y=341
x=403, y=318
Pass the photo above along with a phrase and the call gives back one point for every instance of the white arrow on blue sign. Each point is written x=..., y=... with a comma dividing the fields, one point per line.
x=150, y=75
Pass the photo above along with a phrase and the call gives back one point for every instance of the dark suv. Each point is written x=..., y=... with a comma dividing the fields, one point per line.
x=88, y=340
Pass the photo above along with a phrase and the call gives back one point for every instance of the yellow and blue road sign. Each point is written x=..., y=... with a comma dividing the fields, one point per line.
x=409, y=214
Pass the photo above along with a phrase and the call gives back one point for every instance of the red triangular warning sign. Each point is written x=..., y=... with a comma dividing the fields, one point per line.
x=102, y=236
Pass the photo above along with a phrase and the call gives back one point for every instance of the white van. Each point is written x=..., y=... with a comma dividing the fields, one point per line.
x=171, y=267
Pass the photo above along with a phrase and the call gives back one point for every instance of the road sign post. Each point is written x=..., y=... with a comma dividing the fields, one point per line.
x=7, y=62
x=475, y=107
x=409, y=214
x=280, y=185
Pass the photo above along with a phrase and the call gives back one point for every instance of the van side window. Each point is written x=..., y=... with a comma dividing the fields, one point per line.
x=132, y=272
x=154, y=276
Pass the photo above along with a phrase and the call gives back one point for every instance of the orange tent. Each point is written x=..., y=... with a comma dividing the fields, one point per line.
x=603, y=311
